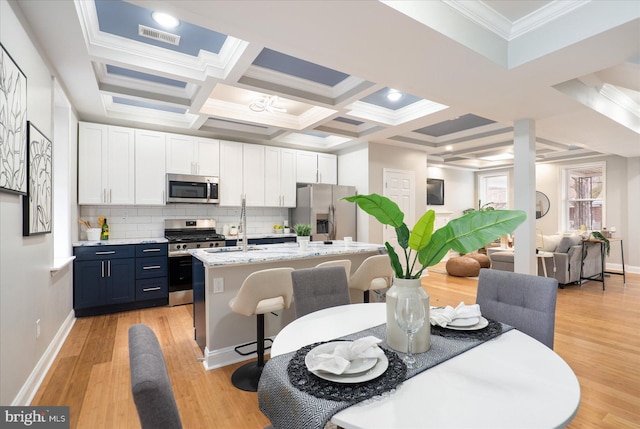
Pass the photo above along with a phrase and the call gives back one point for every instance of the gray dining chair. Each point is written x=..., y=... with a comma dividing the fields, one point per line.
x=150, y=384
x=318, y=288
x=526, y=302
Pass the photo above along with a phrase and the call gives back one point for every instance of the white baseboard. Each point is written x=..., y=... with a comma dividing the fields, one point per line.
x=31, y=386
x=627, y=268
x=222, y=357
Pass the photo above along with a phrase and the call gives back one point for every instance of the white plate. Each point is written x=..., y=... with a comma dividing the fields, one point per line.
x=464, y=322
x=483, y=323
x=357, y=365
x=377, y=369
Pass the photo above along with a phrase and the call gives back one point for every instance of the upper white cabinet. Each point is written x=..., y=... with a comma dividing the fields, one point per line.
x=150, y=170
x=241, y=173
x=230, y=173
x=314, y=167
x=193, y=155
x=327, y=168
x=279, y=177
x=106, y=157
x=253, y=174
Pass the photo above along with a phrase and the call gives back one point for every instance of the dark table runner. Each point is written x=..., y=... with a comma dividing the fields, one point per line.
x=288, y=407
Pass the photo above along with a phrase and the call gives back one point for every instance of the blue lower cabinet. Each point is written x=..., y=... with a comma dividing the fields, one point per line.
x=152, y=289
x=108, y=279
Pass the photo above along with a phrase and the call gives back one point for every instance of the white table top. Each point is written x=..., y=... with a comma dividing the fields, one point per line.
x=511, y=381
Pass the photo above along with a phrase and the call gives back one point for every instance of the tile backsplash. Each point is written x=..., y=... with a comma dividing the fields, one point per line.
x=148, y=222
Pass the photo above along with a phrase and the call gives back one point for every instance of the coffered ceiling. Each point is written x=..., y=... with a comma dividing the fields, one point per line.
x=316, y=74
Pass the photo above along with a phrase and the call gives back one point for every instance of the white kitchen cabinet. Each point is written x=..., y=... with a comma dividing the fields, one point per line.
x=230, y=173
x=106, y=156
x=279, y=177
x=253, y=174
x=312, y=167
x=150, y=169
x=327, y=168
x=193, y=155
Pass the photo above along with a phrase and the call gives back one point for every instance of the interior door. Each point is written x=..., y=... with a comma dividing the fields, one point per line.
x=399, y=187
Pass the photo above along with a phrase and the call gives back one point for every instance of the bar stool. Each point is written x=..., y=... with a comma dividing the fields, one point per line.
x=346, y=263
x=262, y=292
x=374, y=273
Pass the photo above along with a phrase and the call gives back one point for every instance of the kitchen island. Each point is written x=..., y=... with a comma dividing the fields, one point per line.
x=219, y=273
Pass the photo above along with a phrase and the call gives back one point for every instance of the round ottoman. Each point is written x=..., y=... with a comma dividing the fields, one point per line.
x=483, y=260
x=463, y=266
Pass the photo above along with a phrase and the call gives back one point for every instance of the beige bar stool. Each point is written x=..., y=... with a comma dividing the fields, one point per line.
x=346, y=263
x=262, y=292
x=374, y=273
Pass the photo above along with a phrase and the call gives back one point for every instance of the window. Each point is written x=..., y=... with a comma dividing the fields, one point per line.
x=494, y=191
x=584, y=196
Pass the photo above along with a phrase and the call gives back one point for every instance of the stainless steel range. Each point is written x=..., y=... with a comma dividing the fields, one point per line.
x=184, y=235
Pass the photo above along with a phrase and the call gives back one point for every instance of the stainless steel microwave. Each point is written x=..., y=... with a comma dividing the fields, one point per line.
x=185, y=188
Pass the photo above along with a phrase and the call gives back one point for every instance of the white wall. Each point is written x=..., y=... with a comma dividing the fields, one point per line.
x=353, y=170
x=459, y=190
x=27, y=290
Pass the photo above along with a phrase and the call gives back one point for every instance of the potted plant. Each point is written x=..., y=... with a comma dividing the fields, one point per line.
x=303, y=231
x=423, y=247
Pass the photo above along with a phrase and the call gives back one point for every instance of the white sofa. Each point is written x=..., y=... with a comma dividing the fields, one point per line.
x=565, y=264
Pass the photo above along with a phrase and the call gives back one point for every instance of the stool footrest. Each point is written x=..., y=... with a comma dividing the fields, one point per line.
x=255, y=350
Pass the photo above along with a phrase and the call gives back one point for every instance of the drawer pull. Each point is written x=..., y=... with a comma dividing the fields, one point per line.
x=150, y=289
x=150, y=250
x=152, y=267
x=111, y=252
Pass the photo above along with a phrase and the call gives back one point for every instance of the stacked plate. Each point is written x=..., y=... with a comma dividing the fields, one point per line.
x=360, y=370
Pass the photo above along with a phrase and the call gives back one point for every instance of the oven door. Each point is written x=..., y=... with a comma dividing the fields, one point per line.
x=182, y=188
x=180, y=280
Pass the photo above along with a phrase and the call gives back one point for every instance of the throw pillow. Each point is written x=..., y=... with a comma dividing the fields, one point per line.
x=551, y=242
x=566, y=243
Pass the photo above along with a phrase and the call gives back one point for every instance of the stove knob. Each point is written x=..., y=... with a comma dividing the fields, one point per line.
x=198, y=245
x=184, y=246
x=177, y=247
x=210, y=244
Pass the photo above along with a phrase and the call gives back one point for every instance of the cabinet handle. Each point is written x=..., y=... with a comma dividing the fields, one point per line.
x=110, y=195
x=109, y=269
x=110, y=252
x=102, y=266
x=150, y=289
x=152, y=267
x=150, y=250
x=104, y=195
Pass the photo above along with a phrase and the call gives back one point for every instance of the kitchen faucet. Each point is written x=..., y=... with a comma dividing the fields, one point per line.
x=243, y=224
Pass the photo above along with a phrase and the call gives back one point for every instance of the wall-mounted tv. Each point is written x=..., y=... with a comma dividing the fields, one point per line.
x=435, y=192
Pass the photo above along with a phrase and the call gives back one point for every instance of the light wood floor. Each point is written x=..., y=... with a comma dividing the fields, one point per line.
x=597, y=333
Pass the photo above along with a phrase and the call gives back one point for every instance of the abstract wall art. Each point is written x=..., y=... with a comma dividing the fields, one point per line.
x=13, y=126
x=37, y=206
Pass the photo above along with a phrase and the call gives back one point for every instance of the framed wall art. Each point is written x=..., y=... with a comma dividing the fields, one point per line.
x=13, y=126
x=37, y=206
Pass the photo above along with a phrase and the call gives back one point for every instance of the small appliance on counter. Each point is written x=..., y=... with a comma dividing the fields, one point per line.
x=185, y=234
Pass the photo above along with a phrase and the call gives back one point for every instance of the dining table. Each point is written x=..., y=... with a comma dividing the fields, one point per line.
x=509, y=381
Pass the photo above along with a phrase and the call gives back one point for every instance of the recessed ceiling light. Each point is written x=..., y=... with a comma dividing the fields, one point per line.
x=267, y=103
x=394, y=95
x=448, y=148
x=165, y=19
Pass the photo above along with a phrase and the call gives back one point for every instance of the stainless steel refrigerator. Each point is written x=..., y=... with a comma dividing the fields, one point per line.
x=322, y=207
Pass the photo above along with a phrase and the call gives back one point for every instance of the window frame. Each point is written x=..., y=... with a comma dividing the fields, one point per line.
x=566, y=174
x=482, y=179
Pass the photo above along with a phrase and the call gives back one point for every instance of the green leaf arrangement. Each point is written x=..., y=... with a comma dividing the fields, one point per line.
x=302, y=230
x=422, y=247
x=607, y=245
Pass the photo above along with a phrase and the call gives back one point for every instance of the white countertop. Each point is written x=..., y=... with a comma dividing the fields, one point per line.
x=120, y=242
x=279, y=252
x=260, y=235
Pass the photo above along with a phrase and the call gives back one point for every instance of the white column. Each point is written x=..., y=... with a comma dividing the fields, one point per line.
x=524, y=146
